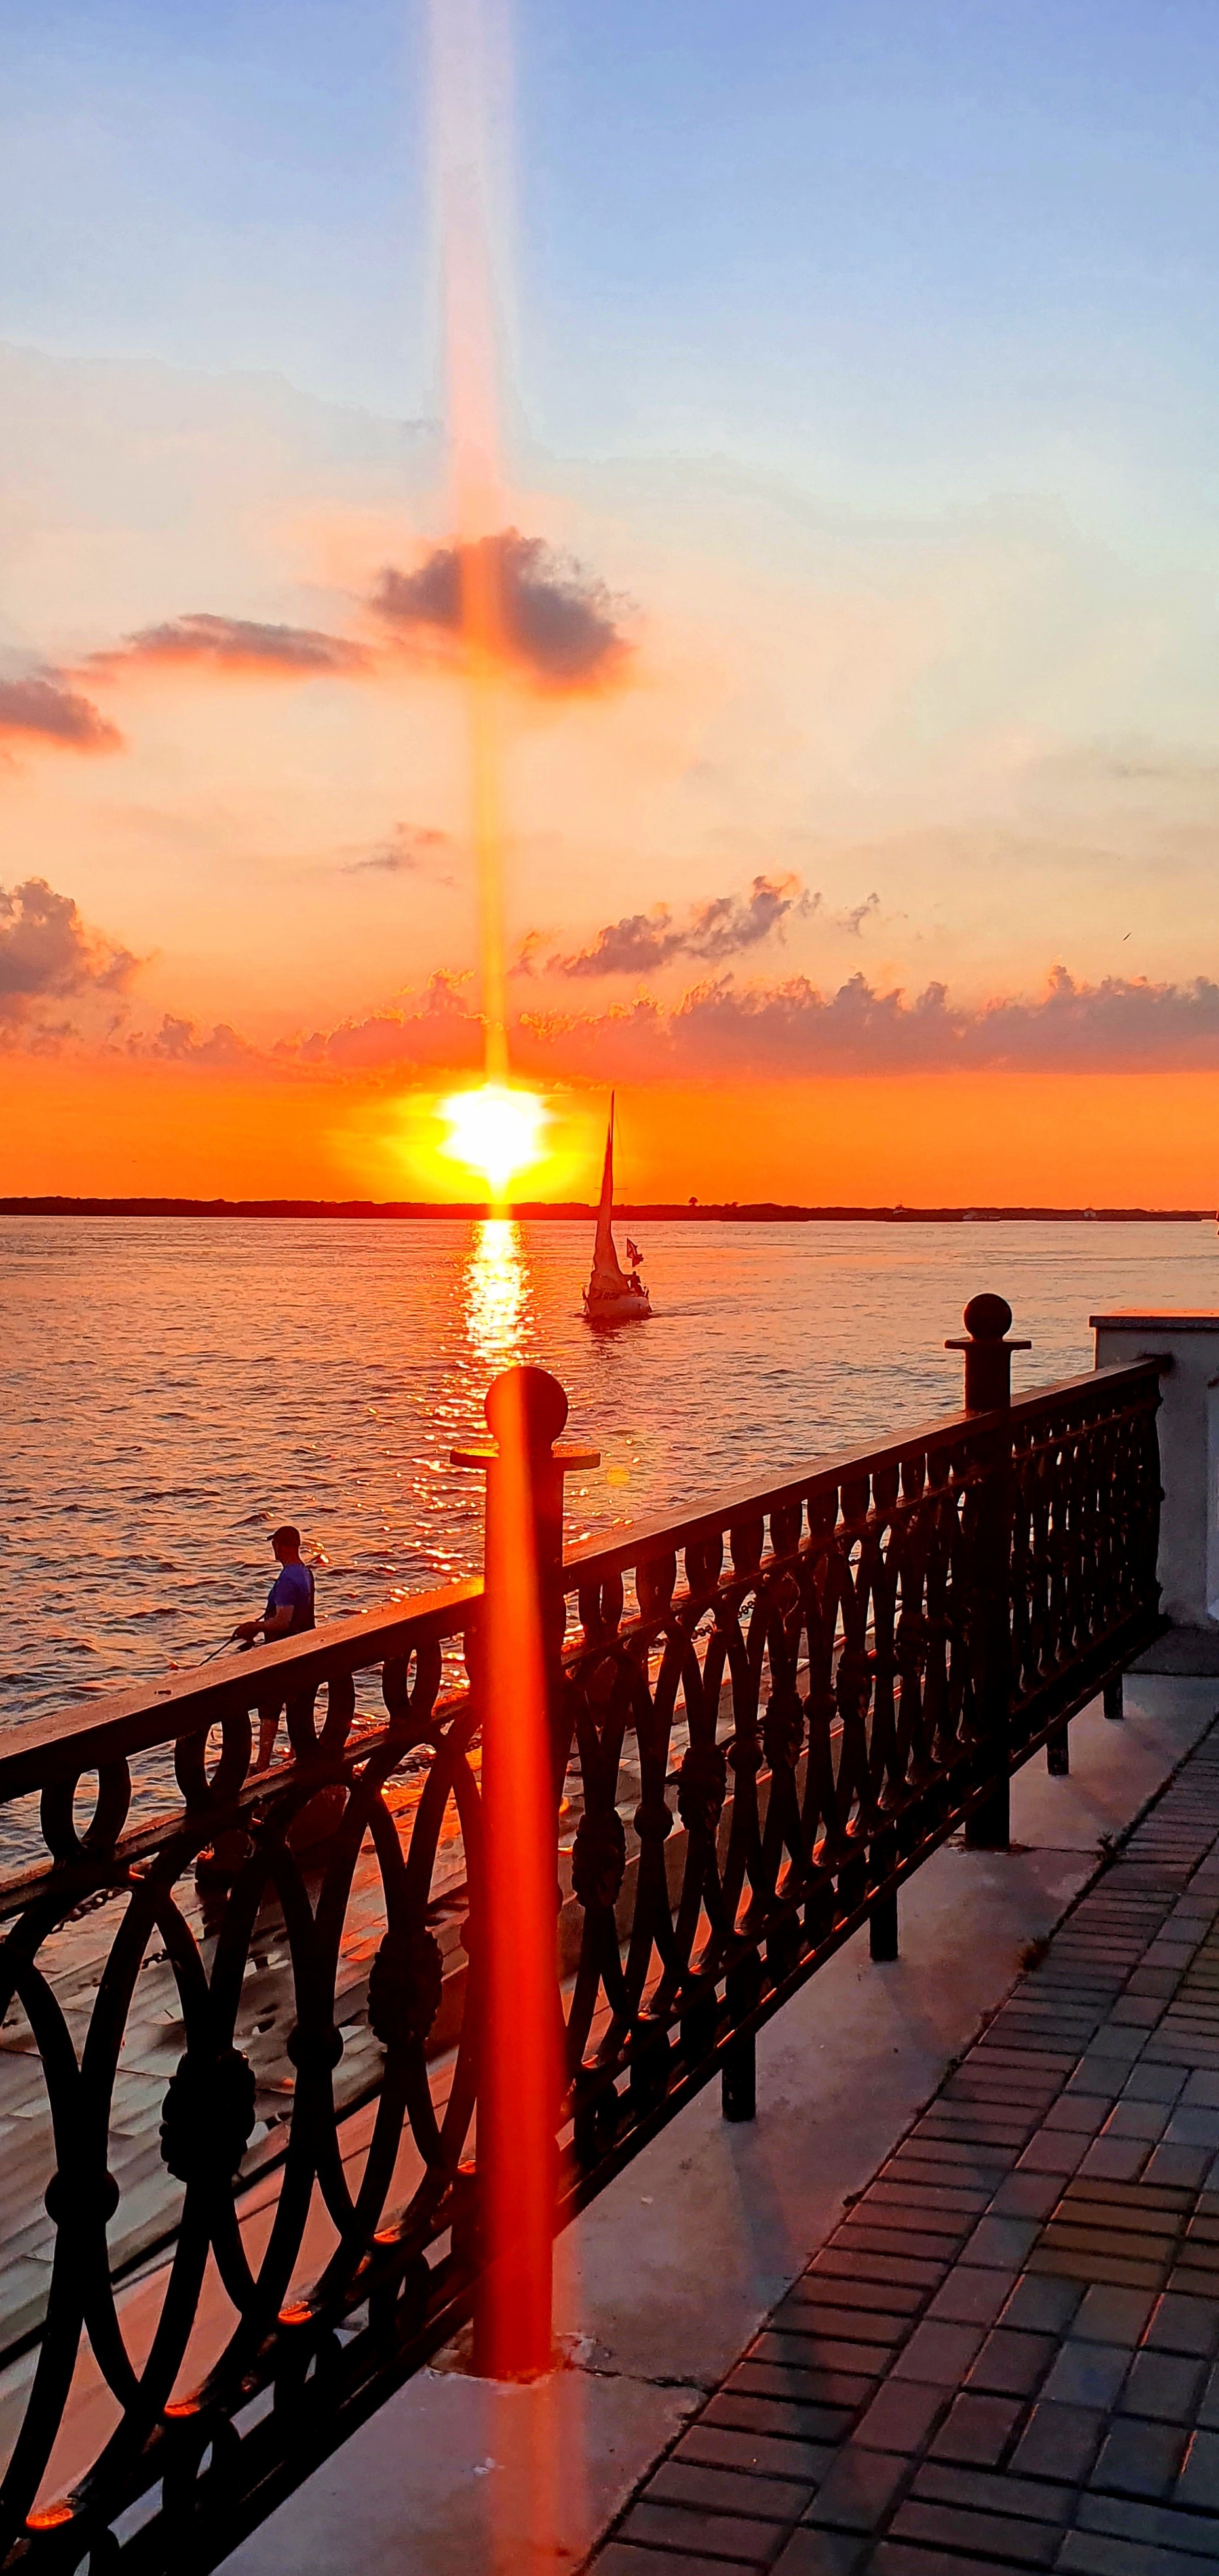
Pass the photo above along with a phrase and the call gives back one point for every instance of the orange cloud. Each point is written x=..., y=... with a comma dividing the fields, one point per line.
x=48, y=955
x=44, y=709
x=242, y=644
x=558, y=624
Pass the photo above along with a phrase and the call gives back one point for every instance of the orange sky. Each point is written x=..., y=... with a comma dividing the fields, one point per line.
x=868, y=862
x=131, y=1130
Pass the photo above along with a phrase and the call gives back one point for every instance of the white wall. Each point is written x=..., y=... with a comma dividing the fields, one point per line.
x=1189, y=1450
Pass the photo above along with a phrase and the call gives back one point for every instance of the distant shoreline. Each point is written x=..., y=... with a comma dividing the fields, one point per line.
x=760, y=1212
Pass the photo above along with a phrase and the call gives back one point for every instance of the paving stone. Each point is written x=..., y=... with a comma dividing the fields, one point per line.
x=984, y=2535
x=1078, y=2112
x=977, y=2429
x=818, y=2354
x=1001, y=2243
x=794, y=2339
x=1087, y=2374
x=1059, y=2441
x=802, y=2387
x=862, y=2321
x=1029, y=2195
x=1140, y=2459
x=731, y=2491
x=938, y=2352
x=747, y=2543
x=819, y=2553
x=969, y=2297
x=620, y=2559
x=1157, y=2525
x=1011, y=2364
x=1194, y=2125
x=1164, y=2385
x=773, y=2415
x=834, y=2280
x=1187, y=2165
x=1152, y=2084
x=766, y=2454
x=904, y=2558
x=1198, y=2483
x=1201, y=2089
x=1132, y=2118
x=1042, y=2303
x=1034, y=2499
x=1109, y=2315
x=1085, y=2553
x=1117, y=2159
x=859, y=2490
x=900, y=2416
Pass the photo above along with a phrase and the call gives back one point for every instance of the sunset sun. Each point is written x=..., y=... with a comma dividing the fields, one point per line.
x=495, y=1130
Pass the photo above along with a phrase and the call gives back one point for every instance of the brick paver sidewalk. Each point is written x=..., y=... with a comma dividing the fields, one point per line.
x=1005, y=2356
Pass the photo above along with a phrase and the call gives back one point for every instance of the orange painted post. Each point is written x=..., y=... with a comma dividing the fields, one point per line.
x=519, y=2073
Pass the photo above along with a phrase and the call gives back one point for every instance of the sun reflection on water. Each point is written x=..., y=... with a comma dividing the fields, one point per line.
x=497, y=1293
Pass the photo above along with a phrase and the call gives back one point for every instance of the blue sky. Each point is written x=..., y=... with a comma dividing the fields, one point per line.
x=911, y=254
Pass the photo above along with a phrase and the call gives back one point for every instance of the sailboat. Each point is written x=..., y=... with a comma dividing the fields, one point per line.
x=613, y=1295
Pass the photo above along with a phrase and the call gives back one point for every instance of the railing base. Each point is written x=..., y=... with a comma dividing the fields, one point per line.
x=739, y=2080
x=989, y=1825
x=882, y=1929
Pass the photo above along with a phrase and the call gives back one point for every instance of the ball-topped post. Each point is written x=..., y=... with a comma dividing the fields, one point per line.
x=513, y=1908
x=988, y=1353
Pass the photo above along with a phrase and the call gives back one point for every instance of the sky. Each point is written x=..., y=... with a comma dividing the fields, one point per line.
x=856, y=541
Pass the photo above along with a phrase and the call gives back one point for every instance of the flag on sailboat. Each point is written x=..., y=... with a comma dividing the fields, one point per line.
x=633, y=1252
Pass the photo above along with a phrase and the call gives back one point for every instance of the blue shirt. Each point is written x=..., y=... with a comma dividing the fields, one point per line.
x=293, y=1590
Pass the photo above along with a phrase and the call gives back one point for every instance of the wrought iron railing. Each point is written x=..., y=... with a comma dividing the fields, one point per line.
x=244, y=2205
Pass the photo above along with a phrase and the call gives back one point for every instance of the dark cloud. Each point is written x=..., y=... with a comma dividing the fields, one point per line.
x=1113, y=1026
x=184, y=1042
x=718, y=1029
x=412, y=849
x=554, y=620
x=46, y=953
x=48, y=710
x=713, y=931
x=241, y=644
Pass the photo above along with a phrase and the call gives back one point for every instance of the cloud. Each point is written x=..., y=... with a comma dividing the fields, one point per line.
x=853, y=921
x=47, y=953
x=714, y=931
x=441, y=1029
x=184, y=1042
x=240, y=644
x=412, y=849
x=554, y=621
x=46, y=710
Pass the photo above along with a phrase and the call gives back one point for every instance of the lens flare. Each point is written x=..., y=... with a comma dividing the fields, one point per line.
x=496, y=1130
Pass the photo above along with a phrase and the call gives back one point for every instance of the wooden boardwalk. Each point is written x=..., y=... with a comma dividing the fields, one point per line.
x=1007, y=2354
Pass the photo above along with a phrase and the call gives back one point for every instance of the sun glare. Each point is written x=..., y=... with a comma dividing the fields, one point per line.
x=495, y=1130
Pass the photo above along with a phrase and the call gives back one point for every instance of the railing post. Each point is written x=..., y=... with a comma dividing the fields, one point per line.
x=518, y=2065
x=988, y=1389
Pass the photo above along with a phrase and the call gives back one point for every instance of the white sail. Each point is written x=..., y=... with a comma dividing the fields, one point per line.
x=606, y=1265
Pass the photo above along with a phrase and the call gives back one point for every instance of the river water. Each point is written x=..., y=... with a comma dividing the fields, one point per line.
x=174, y=1388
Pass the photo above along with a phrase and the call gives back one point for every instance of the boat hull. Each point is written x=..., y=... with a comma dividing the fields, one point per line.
x=627, y=1309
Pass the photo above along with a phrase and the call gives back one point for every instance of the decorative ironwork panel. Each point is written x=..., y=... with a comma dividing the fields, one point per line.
x=243, y=2034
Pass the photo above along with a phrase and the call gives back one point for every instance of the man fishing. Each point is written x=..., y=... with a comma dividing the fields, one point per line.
x=289, y=1609
x=289, y=1612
